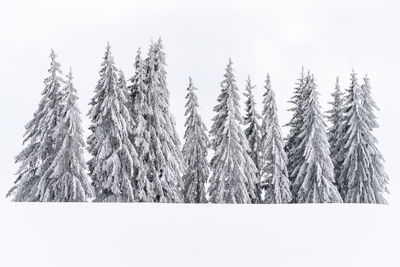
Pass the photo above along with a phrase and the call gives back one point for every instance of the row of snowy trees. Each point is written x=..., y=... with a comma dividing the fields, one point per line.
x=136, y=156
x=343, y=164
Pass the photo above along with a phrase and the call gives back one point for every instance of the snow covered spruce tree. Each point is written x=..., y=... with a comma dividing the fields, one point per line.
x=195, y=151
x=252, y=130
x=314, y=182
x=164, y=159
x=335, y=117
x=114, y=158
x=292, y=141
x=273, y=169
x=139, y=106
x=39, y=152
x=362, y=178
x=65, y=180
x=233, y=177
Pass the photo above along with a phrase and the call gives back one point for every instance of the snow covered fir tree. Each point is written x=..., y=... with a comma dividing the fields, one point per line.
x=39, y=151
x=252, y=127
x=163, y=154
x=139, y=107
x=195, y=151
x=292, y=144
x=135, y=153
x=252, y=130
x=362, y=177
x=65, y=180
x=113, y=156
x=233, y=178
x=314, y=181
x=335, y=117
x=275, y=179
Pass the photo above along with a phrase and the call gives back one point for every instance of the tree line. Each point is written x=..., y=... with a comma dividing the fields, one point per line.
x=136, y=155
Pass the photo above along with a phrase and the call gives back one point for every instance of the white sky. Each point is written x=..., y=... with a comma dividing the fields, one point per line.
x=328, y=37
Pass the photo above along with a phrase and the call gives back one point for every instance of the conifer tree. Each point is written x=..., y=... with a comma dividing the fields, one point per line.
x=274, y=173
x=315, y=179
x=195, y=151
x=335, y=116
x=140, y=137
x=65, y=180
x=233, y=177
x=39, y=152
x=292, y=141
x=114, y=158
x=362, y=178
x=252, y=130
x=165, y=159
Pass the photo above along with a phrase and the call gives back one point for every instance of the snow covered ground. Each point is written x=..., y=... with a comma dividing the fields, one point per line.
x=49, y=235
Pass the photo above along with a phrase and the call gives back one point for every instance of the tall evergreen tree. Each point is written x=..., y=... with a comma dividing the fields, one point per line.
x=114, y=158
x=335, y=116
x=65, y=180
x=274, y=173
x=39, y=152
x=233, y=177
x=292, y=144
x=252, y=130
x=195, y=151
x=362, y=178
x=140, y=137
x=165, y=159
x=315, y=179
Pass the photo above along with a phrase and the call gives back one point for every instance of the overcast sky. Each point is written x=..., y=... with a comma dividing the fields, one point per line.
x=277, y=37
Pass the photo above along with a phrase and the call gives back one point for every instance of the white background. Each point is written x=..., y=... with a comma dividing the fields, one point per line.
x=327, y=37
